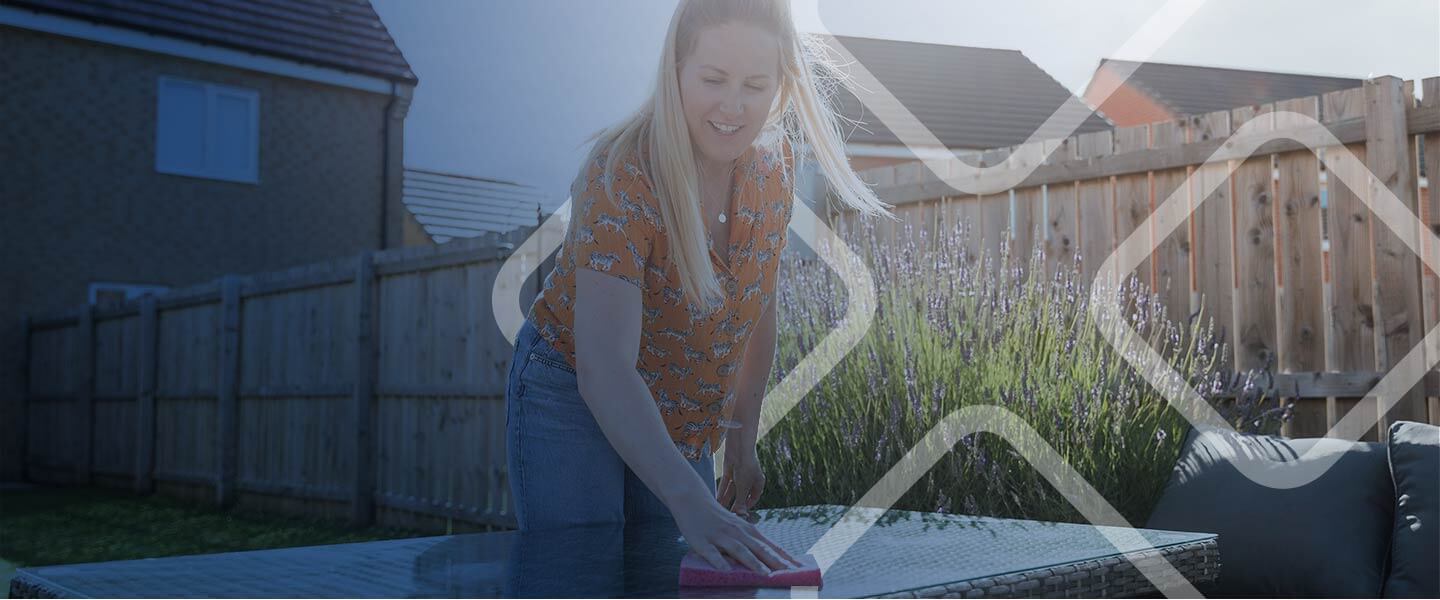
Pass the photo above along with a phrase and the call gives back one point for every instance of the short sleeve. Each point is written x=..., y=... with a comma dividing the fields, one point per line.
x=612, y=233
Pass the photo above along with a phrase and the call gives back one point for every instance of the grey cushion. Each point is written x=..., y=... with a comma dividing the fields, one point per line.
x=1415, y=544
x=1329, y=537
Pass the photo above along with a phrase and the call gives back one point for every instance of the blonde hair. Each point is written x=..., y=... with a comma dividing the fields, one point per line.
x=802, y=110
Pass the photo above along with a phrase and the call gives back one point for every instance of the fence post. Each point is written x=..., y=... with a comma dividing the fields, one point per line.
x=25, y=324
x=1388, y=155
x=145, y=397
x=362, y=501
x=228, y=392
x=87, y=392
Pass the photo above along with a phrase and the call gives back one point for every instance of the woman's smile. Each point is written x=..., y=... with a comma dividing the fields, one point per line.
x=724, y=129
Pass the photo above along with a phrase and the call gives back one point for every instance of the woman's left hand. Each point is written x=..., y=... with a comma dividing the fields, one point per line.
x=742, y=483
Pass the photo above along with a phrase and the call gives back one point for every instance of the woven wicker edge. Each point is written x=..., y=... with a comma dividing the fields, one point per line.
x=1197, y=562
x=21, y=586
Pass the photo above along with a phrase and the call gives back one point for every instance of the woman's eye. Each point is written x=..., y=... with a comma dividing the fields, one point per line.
x=758, y=88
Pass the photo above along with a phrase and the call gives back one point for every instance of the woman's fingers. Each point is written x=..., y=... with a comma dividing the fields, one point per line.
x=773, y=557
x=742, y=551
x=739, y=502
x=712, y=555
x=727, y=490
x=727, y=485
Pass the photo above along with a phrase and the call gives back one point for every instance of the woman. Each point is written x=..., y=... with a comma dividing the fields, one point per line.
x=650, y=341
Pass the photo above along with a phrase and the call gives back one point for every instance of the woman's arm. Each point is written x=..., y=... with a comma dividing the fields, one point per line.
x=754, y=375
x=607, y=344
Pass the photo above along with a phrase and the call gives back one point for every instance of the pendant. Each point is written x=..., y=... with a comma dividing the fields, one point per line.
x=722, y=217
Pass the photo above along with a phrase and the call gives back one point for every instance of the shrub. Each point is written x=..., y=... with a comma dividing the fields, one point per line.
x=954, y=329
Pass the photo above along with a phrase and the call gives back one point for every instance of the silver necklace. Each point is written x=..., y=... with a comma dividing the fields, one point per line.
x=726, y=207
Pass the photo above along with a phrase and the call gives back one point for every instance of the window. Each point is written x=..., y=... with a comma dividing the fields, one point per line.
x=108, y=293
x=207, y=130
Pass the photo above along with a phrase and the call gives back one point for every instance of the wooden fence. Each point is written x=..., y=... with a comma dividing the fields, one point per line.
x=1253, y=256
x=370, y=388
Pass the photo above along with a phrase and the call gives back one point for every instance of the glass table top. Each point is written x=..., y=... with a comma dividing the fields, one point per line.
x=901, y=550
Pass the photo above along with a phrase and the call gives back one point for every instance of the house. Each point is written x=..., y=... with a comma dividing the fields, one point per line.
x=447, y=205
x=1162, y=91
x=968, y=98
x=151, y=144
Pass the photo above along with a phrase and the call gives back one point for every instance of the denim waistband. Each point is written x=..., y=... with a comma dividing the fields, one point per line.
x=530, y=341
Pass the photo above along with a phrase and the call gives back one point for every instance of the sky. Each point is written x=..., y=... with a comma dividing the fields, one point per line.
x=510, y=89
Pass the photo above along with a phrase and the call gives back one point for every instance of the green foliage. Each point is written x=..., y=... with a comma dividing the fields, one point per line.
x=49, y=526
x=953, y=329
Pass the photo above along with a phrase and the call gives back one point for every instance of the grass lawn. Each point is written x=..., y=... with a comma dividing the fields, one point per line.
x=59, y=525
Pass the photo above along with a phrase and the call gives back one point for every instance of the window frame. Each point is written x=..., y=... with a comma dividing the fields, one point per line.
x=212, y=91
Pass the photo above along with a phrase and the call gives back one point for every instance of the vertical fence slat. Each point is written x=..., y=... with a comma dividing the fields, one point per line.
x=1172, y=255
x=995, y=208
x=1095, y=201
x=1027, y=207
x=1132, y=197
x=969, y=215
x=1062, y=220
x=1299, y=278
x=995, y=219
x=1430, y=210
x=86, y=346
x=1349, y=335
x=228, y=390
x=1255, y=297
x=1397, y=269
x=148, y=342
x=362, y=499
x=1213, y=225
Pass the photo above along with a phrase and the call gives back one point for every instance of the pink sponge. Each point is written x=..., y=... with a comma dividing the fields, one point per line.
x=695, y=571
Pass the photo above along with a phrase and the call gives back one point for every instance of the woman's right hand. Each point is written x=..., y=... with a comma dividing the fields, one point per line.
x=711, y=529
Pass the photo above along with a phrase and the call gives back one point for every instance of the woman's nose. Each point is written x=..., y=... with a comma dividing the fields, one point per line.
x=732, y=108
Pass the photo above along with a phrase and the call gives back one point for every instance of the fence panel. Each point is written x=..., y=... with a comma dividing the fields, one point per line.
x=1390, y=157
x=1299, y=276
x=1430, y=215
x=1062, y=241
x=1095, y=205
x=1172, y=255
x=1350, y=333
x=1213, y=252
x=1253, y=187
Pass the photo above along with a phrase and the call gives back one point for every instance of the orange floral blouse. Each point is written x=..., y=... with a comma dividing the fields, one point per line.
x=689, y=358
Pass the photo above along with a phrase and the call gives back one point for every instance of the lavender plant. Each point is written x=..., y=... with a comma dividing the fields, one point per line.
x=954, y=328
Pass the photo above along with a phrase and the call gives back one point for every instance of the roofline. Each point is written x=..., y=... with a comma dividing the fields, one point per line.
x=470, y=177
x=182, y=48
x=1104, y=60
x=920, y=43
x=876, y=150
x=1134, y=83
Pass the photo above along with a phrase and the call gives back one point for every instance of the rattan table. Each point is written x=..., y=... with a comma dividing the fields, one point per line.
x=903, y=554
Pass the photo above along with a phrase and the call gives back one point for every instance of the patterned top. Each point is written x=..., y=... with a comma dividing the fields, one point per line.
x=688, y=357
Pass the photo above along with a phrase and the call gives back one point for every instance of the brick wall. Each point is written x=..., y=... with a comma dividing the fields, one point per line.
x=82, y=201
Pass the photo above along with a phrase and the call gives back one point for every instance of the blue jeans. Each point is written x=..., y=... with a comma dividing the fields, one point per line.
x=563, y=471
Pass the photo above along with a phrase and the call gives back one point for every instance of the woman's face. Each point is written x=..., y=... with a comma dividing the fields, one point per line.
x=729, y=82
